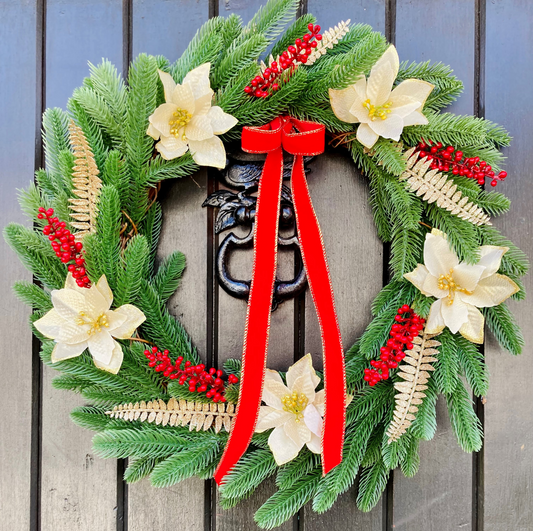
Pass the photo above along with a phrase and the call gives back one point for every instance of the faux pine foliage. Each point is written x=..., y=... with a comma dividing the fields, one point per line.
x=109, y=143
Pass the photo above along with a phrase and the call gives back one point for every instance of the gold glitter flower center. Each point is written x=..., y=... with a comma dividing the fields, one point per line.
x=95, y=324
x=447, y=283
x=295, y=403
x=180, y=118
x=375, y=112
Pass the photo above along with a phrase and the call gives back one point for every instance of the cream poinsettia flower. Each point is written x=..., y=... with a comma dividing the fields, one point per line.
x=460, y=288
x=294, y=410
x=380, y=109
x=187, y=121
x=82, y=318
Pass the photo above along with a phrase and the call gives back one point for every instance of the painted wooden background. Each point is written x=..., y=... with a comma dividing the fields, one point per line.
x=49, y=477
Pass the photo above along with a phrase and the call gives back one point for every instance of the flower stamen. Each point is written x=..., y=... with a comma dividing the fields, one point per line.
x=447, y=283
x=95, y=324
x=380, y=111
x=295, y=403
x=180, y=118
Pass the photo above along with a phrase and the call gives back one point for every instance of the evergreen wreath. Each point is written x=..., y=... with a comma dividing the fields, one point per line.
x=97, y=220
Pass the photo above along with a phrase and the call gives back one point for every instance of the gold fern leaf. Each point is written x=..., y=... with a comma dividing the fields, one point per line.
x=196, y=415
x=434, y=187
x=329, y=38
x=414, y=371
x=86, y=183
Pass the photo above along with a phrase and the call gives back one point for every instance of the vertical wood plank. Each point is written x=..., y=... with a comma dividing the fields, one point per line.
x=78, y=490
x=508, y=451
x=18, y=69
x=165, y=28
x=355, y=255
x=440, y=495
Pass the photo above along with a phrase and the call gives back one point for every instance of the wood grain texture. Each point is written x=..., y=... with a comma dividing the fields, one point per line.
x=78, y=490
x=425, y=503
x=355, y=256
x=18, y=68
x=185, y=230
x=330, y=13
x=508, y=456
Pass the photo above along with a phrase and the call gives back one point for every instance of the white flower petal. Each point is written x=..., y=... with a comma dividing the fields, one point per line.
x=65, y=352
x=273, y=392
x=133, y=318
x=313, y=419
x=153, y=132
x=491, y=291
x=270, y=417
x=435, y=322
x=304, y=385
x=467, y=276
x=473, y=328
x=342, y=101
x=199, y=128
x=70, y=283
x=414, y=88
x=391, y=127
x=103, y=287
x=273, y=375
x=297, y=431
x=315, y=444
x=491, y=257
x=283, y=448
x=358, y=109
x=168, y=84
x=171, y=148
x=319, y=401
x=366, y=136
x=455, y=315
x=72, y=333
x=418, y=276
x=221, y=122
x=431, y=288
x=68, y=303
x=379, y=84
x=304, y=366
x=208, y=152
x=403, y=106
x=116, y=360
x=199, y=80
x=438, y=257
x=203, y=103
x=183, y=98
x=50, y=324
x=101, y=346
x=391, y=58
x=160, y=119
x=415, y=118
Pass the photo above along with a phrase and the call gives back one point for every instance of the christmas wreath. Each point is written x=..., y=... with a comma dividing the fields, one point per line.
x=99, y=300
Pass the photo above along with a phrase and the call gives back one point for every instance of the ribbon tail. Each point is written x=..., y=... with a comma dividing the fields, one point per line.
x=258, y=314
x=316, y=267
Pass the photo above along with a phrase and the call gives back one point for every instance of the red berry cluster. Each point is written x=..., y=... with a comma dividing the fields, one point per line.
x=449, y=159
x=407, y=326
x=65, y=246
x=302, y=48
x=195, y=376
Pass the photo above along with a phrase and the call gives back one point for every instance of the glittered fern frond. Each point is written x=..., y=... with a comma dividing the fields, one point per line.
x=434, y=187
x=86, y=183
x=196, y=415
x=414, y=371
x=329, y=39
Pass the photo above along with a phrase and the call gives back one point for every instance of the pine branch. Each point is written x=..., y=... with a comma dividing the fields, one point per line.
x=410, y=392
x=372, y=483
x=86, y=182
x=139, y=468
x=446, y=373
x=33, y=295
x=411, y=463
x=434, y=187
x=135, y=269
x=425, y=424
x=196, y=415
x=330, y=38
x=271, y=19
x=502, y=323
x=295, y=31
x=151, y=228
x=168, y=276
x=55, y=140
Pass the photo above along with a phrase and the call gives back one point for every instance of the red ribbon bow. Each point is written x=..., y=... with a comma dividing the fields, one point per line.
x=299, y=138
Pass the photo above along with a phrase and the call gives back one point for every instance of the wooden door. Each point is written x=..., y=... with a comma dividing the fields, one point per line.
x=49, y=478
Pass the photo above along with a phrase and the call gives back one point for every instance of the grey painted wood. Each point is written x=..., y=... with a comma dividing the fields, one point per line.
x=184, y=229
x=18, y=70
x=329, y=14
x=355, y=256
x=440, y=495
x=508, y=454
x=78, y=490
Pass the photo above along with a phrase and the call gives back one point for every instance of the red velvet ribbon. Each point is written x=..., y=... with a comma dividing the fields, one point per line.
x=299, y=138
